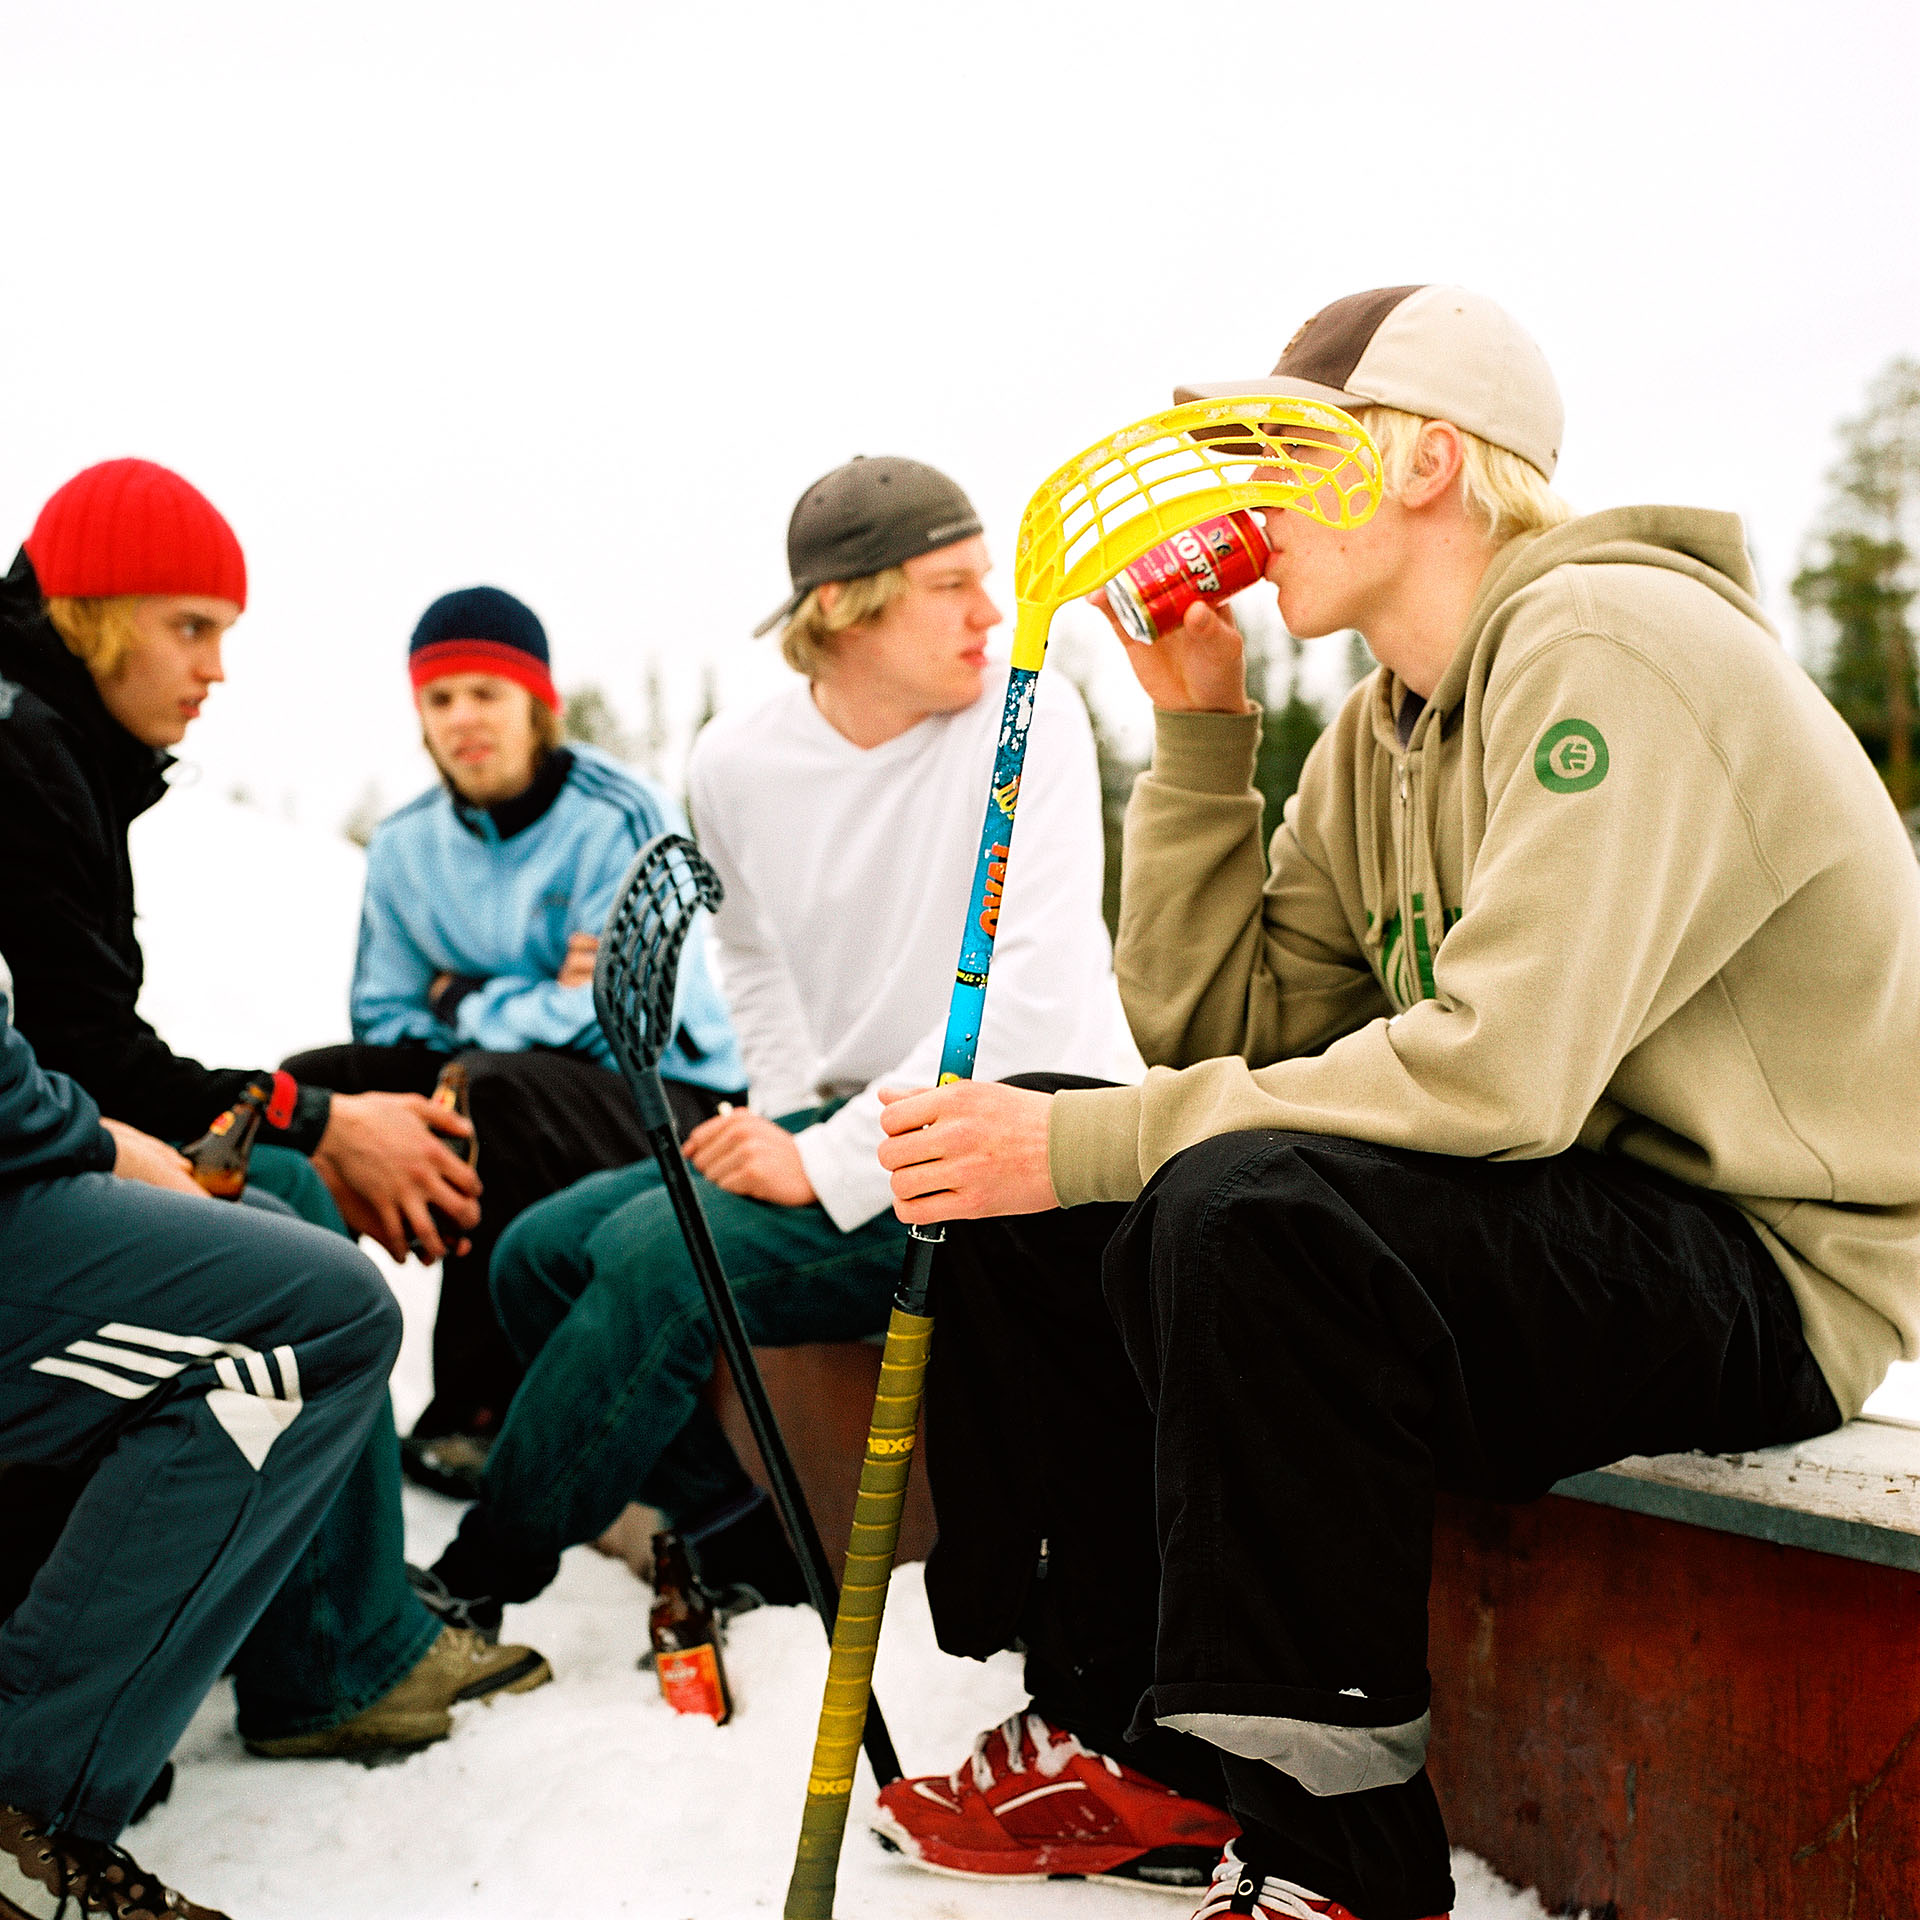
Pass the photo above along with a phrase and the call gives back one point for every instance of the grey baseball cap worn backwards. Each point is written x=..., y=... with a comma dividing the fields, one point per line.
x=866, y=517
x=1440, y=352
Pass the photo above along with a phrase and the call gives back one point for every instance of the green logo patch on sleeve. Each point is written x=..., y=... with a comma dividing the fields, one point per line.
x=1571, y=757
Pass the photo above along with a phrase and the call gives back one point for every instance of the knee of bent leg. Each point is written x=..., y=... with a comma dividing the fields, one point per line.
x=530, y=1296
x=1199, y=1187
x=640, y=1262
x=496, y=1085
x=359, y=1318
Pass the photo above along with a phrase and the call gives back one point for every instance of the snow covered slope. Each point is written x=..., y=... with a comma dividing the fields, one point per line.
x=248, y=923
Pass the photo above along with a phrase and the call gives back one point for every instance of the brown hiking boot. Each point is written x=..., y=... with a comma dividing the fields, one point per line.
x=460, y=1665
x=44, y=1878
x=450, y=1463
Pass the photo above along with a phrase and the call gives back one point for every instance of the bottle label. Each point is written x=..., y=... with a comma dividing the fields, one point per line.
x=690, y=1681
x=224, y=1124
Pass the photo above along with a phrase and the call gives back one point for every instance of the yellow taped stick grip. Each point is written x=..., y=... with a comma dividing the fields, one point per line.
x=863, y=1598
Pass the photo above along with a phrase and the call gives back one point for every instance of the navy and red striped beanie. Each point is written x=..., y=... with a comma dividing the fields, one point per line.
x=482, y=630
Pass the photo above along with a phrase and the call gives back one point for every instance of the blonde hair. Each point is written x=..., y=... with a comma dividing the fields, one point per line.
x=98, y=632
x=803, y=640
x=1508, y=496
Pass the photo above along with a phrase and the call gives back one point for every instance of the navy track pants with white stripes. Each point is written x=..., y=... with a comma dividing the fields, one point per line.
x=223, y=1364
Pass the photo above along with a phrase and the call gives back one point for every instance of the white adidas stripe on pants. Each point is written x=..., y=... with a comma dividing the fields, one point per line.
x=252, y=1410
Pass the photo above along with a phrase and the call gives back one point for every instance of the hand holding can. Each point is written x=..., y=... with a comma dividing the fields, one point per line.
x=1211, y=560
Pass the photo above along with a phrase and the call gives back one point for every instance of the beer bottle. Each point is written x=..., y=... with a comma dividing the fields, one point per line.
x=451, y=1091
x=219, y=1157
x=686, y=1635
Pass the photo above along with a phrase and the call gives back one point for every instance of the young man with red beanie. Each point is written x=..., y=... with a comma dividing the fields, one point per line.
x=113, y=617
x=485, y=897
x=111, y=622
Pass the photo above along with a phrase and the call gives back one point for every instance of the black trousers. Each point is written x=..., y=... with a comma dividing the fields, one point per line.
x=1185, y=1452
x=544, y=1120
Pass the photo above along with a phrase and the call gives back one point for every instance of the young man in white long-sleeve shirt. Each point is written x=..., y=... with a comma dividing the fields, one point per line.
x=842, y=816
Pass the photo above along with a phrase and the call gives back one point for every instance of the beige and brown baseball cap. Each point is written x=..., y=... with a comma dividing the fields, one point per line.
x=1440, y=352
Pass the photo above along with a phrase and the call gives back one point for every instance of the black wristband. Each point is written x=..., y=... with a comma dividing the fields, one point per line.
x=312, y=1109
x=445, y=1005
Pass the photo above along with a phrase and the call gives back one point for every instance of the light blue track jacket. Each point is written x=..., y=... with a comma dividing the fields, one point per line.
x=492, y=894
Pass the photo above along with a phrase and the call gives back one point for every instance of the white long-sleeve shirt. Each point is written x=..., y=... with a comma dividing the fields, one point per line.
x=848, y=873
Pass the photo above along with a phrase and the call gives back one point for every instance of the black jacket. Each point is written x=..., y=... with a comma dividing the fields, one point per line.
x=72, y=780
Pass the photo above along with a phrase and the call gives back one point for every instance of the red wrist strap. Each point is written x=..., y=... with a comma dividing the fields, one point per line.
x=286, y=1090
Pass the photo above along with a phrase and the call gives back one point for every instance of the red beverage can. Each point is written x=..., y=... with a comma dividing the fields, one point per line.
x=1207, y=561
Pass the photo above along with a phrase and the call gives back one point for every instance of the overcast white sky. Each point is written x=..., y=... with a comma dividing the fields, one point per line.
x=575, y=299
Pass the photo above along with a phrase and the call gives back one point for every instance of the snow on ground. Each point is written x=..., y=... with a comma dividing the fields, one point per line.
x=591, y=1796
x=588, y=1796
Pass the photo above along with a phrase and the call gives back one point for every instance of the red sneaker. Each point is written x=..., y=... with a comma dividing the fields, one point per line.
x=1237, y=1890
x=1031, y=1803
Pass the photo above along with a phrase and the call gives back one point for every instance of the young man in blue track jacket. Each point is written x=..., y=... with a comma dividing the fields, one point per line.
x=485, y=898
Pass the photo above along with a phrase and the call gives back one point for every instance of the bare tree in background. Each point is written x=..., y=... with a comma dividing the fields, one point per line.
x=1360, y=660
x=365, y=814
x=1288, y=727
x=1075, y=655
x=590, y=717
x=1861, y=573
x=653, y=743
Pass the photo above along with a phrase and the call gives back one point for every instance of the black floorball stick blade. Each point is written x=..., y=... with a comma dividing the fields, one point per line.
x=634, y=976
x=638, y=964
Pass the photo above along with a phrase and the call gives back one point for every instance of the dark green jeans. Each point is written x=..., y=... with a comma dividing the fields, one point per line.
x=598, y=1297
x=345, y=1628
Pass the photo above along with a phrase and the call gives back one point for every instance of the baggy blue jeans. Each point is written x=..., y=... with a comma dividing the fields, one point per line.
x=596, y=1292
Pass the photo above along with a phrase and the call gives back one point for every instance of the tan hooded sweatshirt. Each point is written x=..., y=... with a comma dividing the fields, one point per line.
x=1631, y=885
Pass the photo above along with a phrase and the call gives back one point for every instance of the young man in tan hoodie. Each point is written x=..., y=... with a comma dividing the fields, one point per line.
x=1543, y=1094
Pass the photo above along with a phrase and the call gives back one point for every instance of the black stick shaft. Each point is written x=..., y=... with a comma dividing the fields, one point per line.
x=822, y=1587
x=916, y=1269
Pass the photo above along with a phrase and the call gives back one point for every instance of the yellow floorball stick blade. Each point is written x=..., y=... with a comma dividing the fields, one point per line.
x=1106, y=506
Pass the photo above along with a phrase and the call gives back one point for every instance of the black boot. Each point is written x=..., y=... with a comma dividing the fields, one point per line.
x=479, y=1574
x=156, y=1795
x=741, y=1554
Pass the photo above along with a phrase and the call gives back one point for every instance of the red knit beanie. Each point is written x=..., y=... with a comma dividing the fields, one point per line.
x=128, y=526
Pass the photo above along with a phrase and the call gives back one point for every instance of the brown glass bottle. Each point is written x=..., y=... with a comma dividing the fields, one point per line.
x=451, y=1091
x=219, y=1157
x=686, y=1635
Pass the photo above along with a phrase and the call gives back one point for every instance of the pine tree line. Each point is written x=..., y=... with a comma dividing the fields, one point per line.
x=1861, y=571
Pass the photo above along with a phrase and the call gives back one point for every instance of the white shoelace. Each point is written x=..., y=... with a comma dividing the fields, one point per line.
x=1277, y=1897
x=1051, y=1752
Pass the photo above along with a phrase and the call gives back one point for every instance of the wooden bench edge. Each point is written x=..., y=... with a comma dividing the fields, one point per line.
x=1638, y=1487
